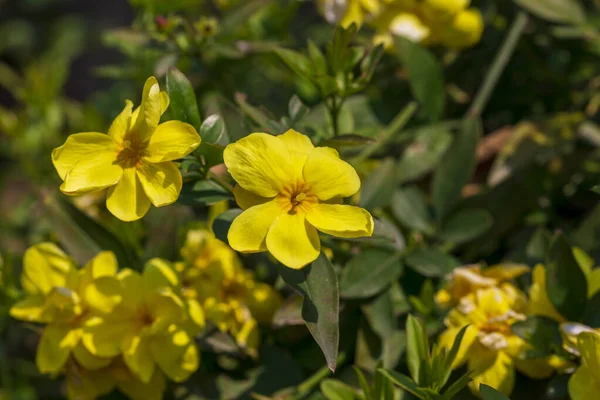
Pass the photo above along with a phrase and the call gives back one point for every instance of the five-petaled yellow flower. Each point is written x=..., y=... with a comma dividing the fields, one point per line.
x=134, y=160
x=289, y=189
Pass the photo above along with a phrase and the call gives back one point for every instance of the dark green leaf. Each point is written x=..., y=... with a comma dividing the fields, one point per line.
x=431, y=262
x=456, y=168
x=212, y=129
x=466, y=225
x=539, y=244
x=339, y=52
x=203, y=193
x=212, y=154
x=489, y=393
x=320, y=310
x=451, y=356
x=424, y=153
x=591, y=316
x=417, y=348
x=378, y=187
x=336, y=390
x=370, y=272
x=317, y=58
x=297, y=109
x=363, y=382
x=565, y=11
x=183, y=99
x=222, y=223
x=405, y=383
x=297, y=62
x=410, y=208
x=566, y=284
x=369, y=63
x=349, y=139
x=596, y=189
x=426, y=77
x=457, y=386
x=541, y=332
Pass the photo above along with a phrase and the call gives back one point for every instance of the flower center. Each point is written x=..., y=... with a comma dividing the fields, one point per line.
x=297, y=198
x=130, y=154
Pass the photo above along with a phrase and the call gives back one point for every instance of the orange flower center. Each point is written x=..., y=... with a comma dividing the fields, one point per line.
x=130, y=153
x=297, y=198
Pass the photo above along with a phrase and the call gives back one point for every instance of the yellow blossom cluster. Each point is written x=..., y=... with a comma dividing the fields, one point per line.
x=232, y=299
x=448, y=23
x=105, y=328
x=486, y=301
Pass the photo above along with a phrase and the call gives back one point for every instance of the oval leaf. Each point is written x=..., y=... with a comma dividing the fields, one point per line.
x=431, y=262
x=212, y=129
x=184, y=106
x=565, y=11
x=378, y=187
x=410, y=208
x=369, y=273
x=466, y=225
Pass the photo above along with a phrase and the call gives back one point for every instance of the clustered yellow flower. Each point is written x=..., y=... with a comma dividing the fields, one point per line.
x=134, y=161
x=484, y=300
x=289, y=190
x=232, y=299
x=105, y=328
x=448, y=23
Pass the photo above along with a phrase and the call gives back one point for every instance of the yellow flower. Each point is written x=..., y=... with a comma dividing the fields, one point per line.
x=234, y=318
x=464, y=30
x=440, y=10
x=465, y=280
x=289, y=189
x=152, y=327
x=585, y=382
x=347, y=12
x=489, y=347
x=84, y=384
x=134, y=160
x=63, y=297
x=539, y=302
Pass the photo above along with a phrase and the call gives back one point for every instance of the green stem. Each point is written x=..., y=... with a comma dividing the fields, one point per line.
x=499, y=64
x=305, y=387
x=386, y=135
x=334, y=111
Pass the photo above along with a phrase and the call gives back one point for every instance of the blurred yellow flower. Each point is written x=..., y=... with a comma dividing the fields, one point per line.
x=489, y=347
x=134, y=160
x=152, y=327
x=347, y=12
x=585, y=382
x=64, y=298
x=289, y=189
x=231, y=298
x=539, y=302
x=466, y=280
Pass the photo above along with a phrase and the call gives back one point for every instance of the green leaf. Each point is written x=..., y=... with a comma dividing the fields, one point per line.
x=424, y=153
x=542, y=333
x=431, y=262
x=320, y=309
x=426, y=77
x=563, y=11
x=335, y=390
x=566, y=284
x=489, y=393
x=347, y=140
x=466, y=225
x=297, y=62
x=317, y=58
x=457, y=386
x=369, y=63
x=455, y=169
x=82, y=237
x=405, y=383
x=222, y=223
x=370, y=272
x=212, y=129
x=451, y=356
x=203, y=193
x=377, y=188
x=183, y=99
x=212, y=154
x=363, y=382
x=339, y=51
x=591, y=316
x=417, y=348
x=297, y=109
x=410, y=208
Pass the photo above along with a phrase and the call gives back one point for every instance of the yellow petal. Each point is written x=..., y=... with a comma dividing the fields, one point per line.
x=299, y=146
x=161, y=182
x=104, y=338
x=494, y=368
x=132, y=289
x=589, y=346
x=260, y=163
x=539, y=302
x=30, y=309
x=138, y=357
x=54, y=348
x=103, y=264
x=583, y=383
x=248, y=336
x=535, y=368
x=150, y=110
x=138, y=390
x=292, y=241
x=89, y=361
x=93, y=172
x=503, y=272
x=127, y=200
x=593, y=279
x=166, y=308
x=263, y=302
x=45, y=267
x=76, y=147
x=248, y=231
x=176, y=354
x=170, y=141
x=159, y=274
x=329, y=175
x=103, y=294
x=246, y=199
x=341, y=220
x=118, y=129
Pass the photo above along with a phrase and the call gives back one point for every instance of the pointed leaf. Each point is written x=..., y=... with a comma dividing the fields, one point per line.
x=184, y=106
x=489, y=393
x=370, y=272
x=405, y=383
x=566, y=11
